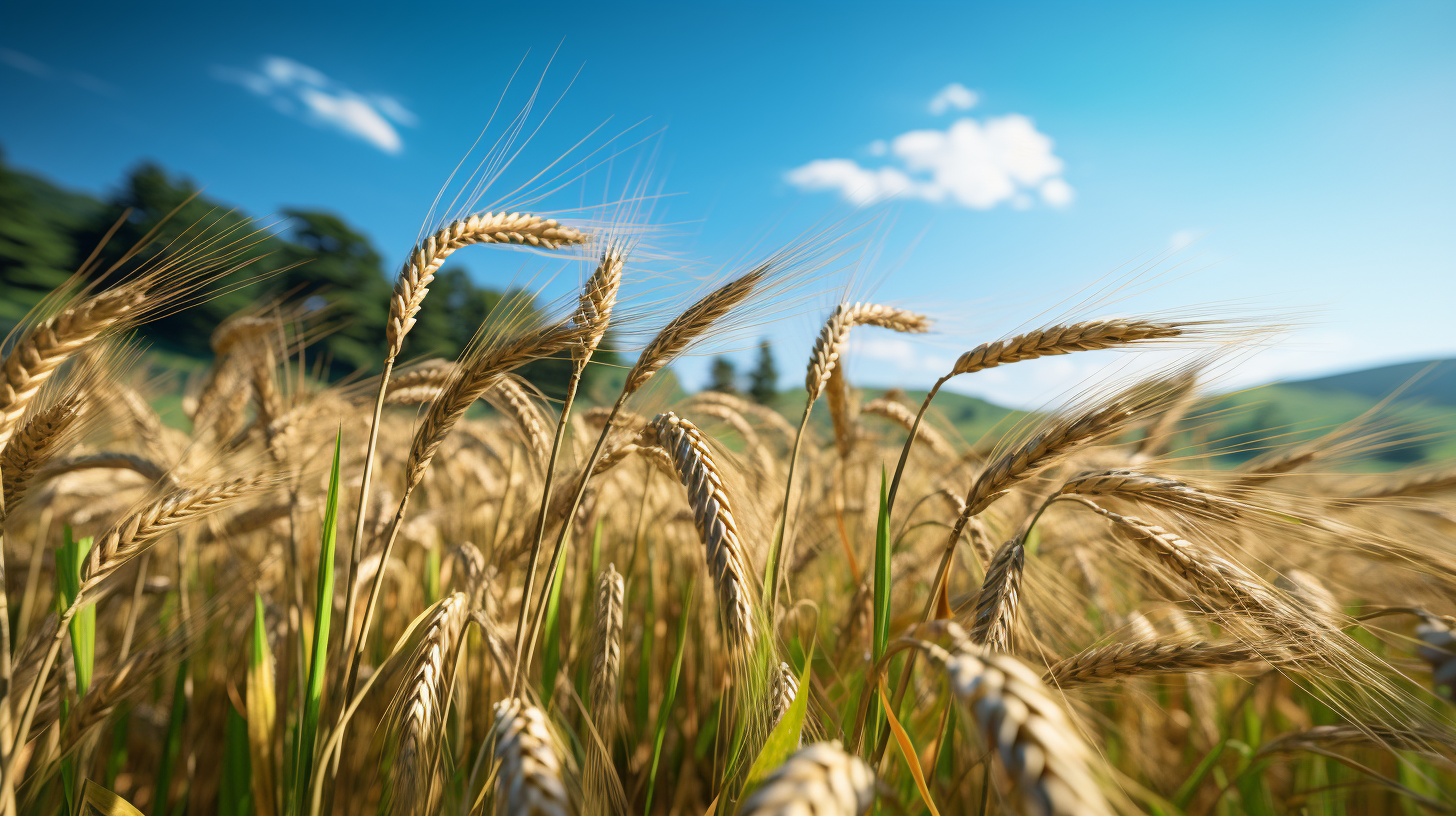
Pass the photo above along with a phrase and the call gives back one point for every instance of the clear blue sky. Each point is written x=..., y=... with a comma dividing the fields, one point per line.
x=1310, y=145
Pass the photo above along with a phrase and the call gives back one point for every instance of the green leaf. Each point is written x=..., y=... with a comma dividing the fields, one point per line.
x=551, y=649
x=262, y=713
x=883, y=579
x=172, y=747
x=234, y=794
x=785, y=737
x=666, y=708
x=101, y=801
x=649, y=636
x=323, y=610
x=69, y=559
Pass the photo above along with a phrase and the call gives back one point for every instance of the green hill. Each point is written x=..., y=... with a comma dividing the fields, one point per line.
x=1436, y=383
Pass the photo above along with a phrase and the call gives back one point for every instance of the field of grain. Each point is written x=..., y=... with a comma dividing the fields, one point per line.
x=379, y=596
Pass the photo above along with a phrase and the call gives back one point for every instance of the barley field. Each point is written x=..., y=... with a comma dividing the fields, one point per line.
x=434, y=591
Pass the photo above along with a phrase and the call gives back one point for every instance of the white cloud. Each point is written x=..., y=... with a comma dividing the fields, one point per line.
x=976, y=164
x=954, y=96
x=24, y=62
x=1182, y=238
x=296, y=89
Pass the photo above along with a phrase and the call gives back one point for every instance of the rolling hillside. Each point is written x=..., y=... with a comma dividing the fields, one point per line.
x=1418, y=427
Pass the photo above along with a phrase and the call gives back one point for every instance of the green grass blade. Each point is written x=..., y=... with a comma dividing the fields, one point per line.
x=262, y=714
x=784, y=738
x=323, y=610
x=101, y=801
x=83, y=626
x=551, y=649
x=881, y=603
x=588, y=590
x=649, y=634
x=235, y=795
x=172, y=747
x=667, y=700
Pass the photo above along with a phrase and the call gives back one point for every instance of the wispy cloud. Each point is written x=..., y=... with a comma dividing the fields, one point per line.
x=40, y=70
x=954, y=96
x=295, y=89
x=973, y=163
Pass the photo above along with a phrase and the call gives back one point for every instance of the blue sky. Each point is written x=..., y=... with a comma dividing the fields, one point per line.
x=1013, y=155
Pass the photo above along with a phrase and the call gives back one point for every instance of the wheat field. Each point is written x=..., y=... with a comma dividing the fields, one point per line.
x=435, y=591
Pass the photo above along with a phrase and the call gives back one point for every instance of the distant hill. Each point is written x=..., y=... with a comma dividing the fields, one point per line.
x=1419, y=427
x=1436, y=386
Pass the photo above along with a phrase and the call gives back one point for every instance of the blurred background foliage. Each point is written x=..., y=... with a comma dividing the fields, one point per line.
x=308, y=258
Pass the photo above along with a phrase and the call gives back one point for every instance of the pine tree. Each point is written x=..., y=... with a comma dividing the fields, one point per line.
x=764, y=380
x=724, y=376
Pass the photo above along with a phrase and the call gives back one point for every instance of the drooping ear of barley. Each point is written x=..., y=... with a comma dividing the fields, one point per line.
x=33, y=445
x=473, y=380
x=40, y=351
x=713, y=517
x=420, y=382
x=487, y=228
x=1064, y=339
x=1050, y=341
x=1065, y=436
x=597, y=302
x=781, y=692
x=1438, y=649
x=1152, y=489
x=606, y=668
x=1208, y=571
x=689, y=326
x=1016, y=716
x=511, y=397
x=834, y=337
x=824, y=358
x=999, y=599
x=420, y=715
x=1115, y=661
x=530, y=777
x=819, y=779
x=844, y=410
x=900, y=415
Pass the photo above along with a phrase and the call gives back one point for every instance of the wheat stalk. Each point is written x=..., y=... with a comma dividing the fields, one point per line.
x=40, y=351
x=425, y=700
x=140, y=465
x=487, y=228
x=1016, y=716
x=530, y=782
x=1116, y=661
x=713, y=517
x=687, y=327
x=819, y=779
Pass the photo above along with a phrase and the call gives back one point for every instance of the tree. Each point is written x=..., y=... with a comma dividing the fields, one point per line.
x=764, y=380
x=724, y=376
